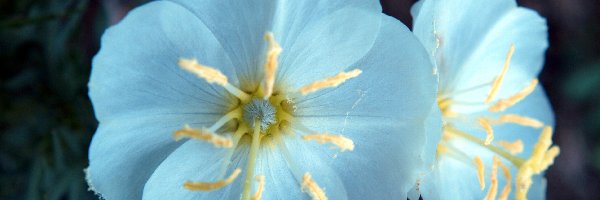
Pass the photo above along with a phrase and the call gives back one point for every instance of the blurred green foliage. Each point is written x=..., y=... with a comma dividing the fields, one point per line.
x=46, y=118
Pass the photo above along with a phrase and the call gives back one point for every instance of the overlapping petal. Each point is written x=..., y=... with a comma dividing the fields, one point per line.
x=474, y=38
x=383, y=116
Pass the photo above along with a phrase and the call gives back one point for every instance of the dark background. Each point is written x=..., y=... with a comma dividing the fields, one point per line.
x=47, y=122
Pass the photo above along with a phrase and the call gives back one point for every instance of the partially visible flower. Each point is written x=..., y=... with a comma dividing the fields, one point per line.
x=496, y=140
x=229, y=99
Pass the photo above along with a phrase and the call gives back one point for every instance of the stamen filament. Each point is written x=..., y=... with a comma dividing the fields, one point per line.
x=498, y=81
x=261, y=187
x=271, y=64
x=212, y=75
x=329, y=82
x=202, y=134
x=314, y=191
x=513, y=159
x=234, y=114
x=521, y=120
x=343, y=143
x=254, y=147
x=504, y=104
x=480, y=171
x=208, y=186
x=236, y=139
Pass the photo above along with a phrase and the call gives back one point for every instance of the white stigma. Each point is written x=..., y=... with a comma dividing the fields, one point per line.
x=262, y=110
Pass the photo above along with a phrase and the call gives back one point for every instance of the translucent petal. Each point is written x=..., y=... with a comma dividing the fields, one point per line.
x=327, y=46
x=474, y=39
x=240, y=26
x=136, y=69
x=198, y=162
x=383, y=116
x=124, y=153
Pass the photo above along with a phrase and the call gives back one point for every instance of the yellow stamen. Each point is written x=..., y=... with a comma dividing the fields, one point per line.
x=203, y=134
x=514, y=147
x=480, y=171
x=211, y=75
x=542, y=157
x=329, y=82
x=498, y=80
x=506, y=172
x=491, y=194
x=271, y=64
x=485, y=124
x=521, y=120
x=208, y=186
x=261, y=187
x=343, y=143
x=314, y=191
x=503, y=104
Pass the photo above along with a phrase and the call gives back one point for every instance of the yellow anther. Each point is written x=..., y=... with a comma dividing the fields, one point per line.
x=498, y=80
x=521, y=120
x=549, y=157
x=493, y=189
x=261, y=187
x=503, y=104
x=542, y=157
x=508, y=177
x=343, y=143
x=271, y=64
x=209, y=186
x=513, y=147
x=333, y=81
x=211, y=75
x=314, y=191
x=203, y=134
x=485, y=124
x=480, y=171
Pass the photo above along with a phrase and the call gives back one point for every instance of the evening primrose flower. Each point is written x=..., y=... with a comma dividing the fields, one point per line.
x=259, y=100
x=497, y=131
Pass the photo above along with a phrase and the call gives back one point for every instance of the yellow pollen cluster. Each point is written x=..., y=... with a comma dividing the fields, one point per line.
x=207, y=186
x=204, y=135
x=493, y=190
x=329, y=82
x=211, y=75
x=504, y=104
x=498, y=81
x=261, y=187
x=271, y=64
x=485, y=123
x=315, y=192
x=343, y=143
x=521, y=120
x=514, y=147
x=542, y=157
x=480, y=171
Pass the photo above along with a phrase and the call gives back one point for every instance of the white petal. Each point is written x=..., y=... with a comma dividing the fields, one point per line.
x=136, y=69
x=383, y=111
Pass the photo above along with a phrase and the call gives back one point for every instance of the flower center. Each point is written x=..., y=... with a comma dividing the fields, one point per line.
x=259, y=110
x=266, y=113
